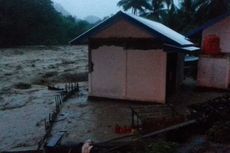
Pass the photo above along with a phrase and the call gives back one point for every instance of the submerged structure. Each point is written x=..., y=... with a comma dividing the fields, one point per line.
x=133, y=58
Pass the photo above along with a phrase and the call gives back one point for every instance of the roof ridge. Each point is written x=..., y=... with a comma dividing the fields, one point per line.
x=153, y=27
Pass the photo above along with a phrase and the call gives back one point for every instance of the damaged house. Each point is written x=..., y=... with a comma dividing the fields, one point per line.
x=133, y=58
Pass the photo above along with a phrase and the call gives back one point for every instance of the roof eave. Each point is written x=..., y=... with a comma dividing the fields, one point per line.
x=80, y=39
x=181, y=49
x=83, y=38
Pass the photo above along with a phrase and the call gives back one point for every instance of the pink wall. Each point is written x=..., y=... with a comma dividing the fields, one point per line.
x=132, y=75
x=221, y=29
x=108, y=79
x=213, y=72
x=146, y=75
x=123, y=29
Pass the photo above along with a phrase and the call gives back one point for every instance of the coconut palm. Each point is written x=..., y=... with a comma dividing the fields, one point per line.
x=134, y=5
x=183, y=18
x=156, y=10
x=212, y=8
x=169, y=4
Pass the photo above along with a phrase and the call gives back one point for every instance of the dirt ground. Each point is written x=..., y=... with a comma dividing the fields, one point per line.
x=25, y=101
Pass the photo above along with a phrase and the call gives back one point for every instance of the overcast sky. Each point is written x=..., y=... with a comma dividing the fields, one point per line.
x=83, y=8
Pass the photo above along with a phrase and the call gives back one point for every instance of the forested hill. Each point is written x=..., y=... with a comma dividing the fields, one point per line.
x=35, y=22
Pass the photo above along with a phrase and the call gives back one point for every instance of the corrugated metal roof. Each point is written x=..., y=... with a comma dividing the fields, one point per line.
x=166, y=34
x=164, y=30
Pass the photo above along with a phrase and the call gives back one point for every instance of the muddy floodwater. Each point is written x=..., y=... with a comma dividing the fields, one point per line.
x=25, y=100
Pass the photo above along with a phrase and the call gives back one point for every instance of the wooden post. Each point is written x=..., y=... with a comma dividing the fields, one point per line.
x=45, y=124
x=72, y=87
x=50, y=117
x=133, y=124
x=66, y=87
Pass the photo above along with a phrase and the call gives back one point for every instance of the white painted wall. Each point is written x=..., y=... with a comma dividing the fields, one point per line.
x=132, y=75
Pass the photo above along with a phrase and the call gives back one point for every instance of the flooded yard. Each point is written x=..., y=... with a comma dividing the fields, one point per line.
x=25, y=100
x=84, y=119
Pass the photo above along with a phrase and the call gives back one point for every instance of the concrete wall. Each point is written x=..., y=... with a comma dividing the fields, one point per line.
x=128, y=74
x=221, y=29
x=146, y=75
x=123, y=29
x=108, y=79
x=213, y=72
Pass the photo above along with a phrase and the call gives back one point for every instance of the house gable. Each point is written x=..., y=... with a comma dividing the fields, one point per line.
x=123, y=29
x=222, y=30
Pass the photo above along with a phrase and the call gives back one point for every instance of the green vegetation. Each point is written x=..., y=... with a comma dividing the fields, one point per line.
x=162, y=147
x=183, y=18
x=34, y=22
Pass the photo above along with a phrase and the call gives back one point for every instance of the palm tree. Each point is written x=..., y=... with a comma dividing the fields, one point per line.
x=135, y=5
x=183, y=18
x=149, y=8
x=156, y=10
x=212, y=8
x=194, y=13
x=169, y=4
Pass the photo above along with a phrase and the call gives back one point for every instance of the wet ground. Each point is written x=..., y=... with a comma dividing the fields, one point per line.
x=25, y=100
x=84, y=119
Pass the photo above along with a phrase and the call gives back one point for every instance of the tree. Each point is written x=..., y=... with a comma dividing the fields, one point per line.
x=194, y=13
x=33, y=22
x=189, y=15
x=158, y=9
x=210, y=9
x=169, y=4
x=134, y=5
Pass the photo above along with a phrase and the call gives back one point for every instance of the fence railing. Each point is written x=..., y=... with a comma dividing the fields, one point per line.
x=69, y=90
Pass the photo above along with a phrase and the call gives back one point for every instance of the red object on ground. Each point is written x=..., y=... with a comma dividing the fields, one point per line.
x=211, y=45
x=122, y=130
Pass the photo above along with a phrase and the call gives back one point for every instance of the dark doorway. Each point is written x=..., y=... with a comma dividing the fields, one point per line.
x=171, y=73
